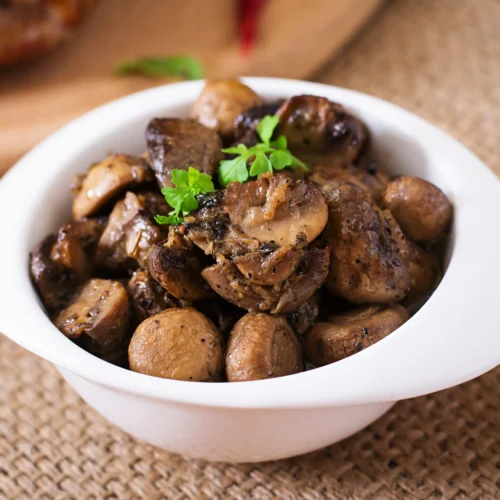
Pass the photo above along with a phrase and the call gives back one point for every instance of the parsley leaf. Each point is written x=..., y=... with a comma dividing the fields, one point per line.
x=281, y=159
x=261, y=164
x=175, y=196
x=187, y=67
x=172, y=219
x=280, y=143
x=240, y=149
x=182, y=198
x=265, y=156
x=266, y=127
x=233, y=170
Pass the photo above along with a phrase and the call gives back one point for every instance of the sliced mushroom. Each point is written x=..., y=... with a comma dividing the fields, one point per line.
x=366, y=175
x=423, y=266
x=180, y=344
x=147, y=296
x=225, y=279
x=130, y=234
x=175, y=143
x=348, y=333
x=260, y=347
x=97, y=318
x=365, y=266
x=178, y=270
x=273, y=209
x=319, y=130
x=106, y=180
x=422, y=210
x=220, y=102
x=76, y=245
x=277, y=208
x=268, y=267
x=54, y=282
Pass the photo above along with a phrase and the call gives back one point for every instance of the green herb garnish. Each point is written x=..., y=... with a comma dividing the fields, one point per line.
x=187, y=67
x=182, y=198
x=266, y=156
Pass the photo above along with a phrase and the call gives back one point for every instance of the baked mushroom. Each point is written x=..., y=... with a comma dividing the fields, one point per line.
x=97, y=318
x=275, y=209
x=320, y=131
x=365, y=265
x=304, y=317
x=262, y=346
x=269, y=266
x=220, y=102
x=147, y=297
x=175, y=143
x=422, y=210
x=106, y=180
x=366, y=175
x=76, y=244
x=245, y=124
x=130, y=234
x=350, y=332
x=423, y=266
x=281, y=298
x=54, y=282
x=180, y=344
x=178, y=270
x=223, y=314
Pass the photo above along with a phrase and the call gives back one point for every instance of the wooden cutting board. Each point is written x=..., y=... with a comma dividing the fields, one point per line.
x=295, y=39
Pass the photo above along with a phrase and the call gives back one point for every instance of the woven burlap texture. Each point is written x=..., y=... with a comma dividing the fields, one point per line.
x=439, y=58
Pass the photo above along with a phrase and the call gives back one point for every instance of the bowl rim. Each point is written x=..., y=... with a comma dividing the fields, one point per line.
x=414, y=360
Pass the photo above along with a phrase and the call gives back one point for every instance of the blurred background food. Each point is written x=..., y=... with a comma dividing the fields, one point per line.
x=57, y=57
x=29, y=28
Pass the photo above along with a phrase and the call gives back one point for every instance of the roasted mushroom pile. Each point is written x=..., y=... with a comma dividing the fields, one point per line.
x=175, y=269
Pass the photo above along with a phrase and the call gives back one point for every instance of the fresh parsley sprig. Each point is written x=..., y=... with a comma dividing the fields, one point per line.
x=182, y=198
x=266, y=156
x=184, y=66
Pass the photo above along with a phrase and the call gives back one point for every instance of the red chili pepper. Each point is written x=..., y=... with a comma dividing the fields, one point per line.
x=248, y=18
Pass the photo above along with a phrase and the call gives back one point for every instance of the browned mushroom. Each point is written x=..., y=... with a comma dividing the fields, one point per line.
x=269, y=266
x=106, y=180
x=225, y=279
x=246, y=123
x=54, y=282
x=147, y=297
x=422, y=210
x=178, y=270
x=262, y=346
x=97, y=318
x=76, y=245
x=304, y=317
x=174, y=143
x=348, y=333
x=365, y=266
x=366, y=175
x=222, y=313
x=130, y=234
x=423, y=266
x=275, y=210
x=321, y=131
x=180, y=344
x=220, y=102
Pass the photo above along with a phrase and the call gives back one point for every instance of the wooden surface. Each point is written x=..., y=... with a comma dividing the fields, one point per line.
x=296, y=38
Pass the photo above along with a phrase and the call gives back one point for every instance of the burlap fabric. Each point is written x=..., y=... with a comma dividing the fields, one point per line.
x=439, y=58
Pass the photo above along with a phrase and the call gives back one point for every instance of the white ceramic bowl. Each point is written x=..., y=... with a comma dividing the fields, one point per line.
x=453, y=338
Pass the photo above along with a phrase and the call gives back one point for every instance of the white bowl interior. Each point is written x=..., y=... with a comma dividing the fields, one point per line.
x=403, y=143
